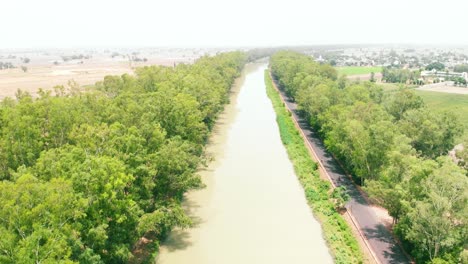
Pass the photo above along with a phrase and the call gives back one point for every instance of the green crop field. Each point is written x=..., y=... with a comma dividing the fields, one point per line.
x=457, y=103
x=354, y=70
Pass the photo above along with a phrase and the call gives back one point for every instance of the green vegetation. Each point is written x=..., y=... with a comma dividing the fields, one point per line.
x=396, y=75
x=84, y=175
x=435, y=66
x=395, y=146
x=337, y=233
x=392, y=87
x=440, y=102
x=461, y=68
x=356, y=70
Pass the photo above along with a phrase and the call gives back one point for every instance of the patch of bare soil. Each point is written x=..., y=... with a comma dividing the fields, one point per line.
x=143, y=250
x=46, y=76
x=444, y=87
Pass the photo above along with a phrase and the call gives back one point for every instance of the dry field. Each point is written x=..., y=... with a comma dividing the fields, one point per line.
x=43, y=73
x=445, y=87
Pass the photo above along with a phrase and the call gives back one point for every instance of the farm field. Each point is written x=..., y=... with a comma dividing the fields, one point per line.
x=355, y=70
x=47, y=68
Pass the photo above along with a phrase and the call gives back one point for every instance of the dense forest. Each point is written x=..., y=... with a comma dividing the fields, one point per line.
x=85, y=174
x=395, y=148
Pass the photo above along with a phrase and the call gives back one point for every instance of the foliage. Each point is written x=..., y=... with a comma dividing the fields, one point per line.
x=435, y=66
x=438, y=219
x=84, y=175
x=391, y=142
x=459, y=81
x=446, y=102
x=462, y=155
x=340, y=197
x=339, y=236
x=461, y=68
x=395, y=75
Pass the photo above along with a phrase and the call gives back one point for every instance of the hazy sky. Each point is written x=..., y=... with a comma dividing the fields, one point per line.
x=85, y=23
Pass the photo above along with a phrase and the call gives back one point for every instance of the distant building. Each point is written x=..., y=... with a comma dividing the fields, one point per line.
x=320, y=59
x=443, y=75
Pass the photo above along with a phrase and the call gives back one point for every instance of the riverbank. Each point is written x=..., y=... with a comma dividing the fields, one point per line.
x=338, y=234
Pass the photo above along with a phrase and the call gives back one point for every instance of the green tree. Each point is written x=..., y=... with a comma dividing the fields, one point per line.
x=372, y=77
x=438, y=221
x=433, y=134
x=38, y=221
x=435, y=66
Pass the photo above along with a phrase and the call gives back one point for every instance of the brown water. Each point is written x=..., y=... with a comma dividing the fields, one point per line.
x=253, y=209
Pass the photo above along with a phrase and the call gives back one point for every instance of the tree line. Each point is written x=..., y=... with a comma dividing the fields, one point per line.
x=395, y=147
x=85, y=174
x=397, y=75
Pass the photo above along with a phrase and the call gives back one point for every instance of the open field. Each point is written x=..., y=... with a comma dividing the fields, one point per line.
x=48, y=68
x=445, y=87
x=48, y=76
x=457, y=103
x=355, y=70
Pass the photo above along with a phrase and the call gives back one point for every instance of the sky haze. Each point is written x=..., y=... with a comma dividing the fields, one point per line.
x=91, y=23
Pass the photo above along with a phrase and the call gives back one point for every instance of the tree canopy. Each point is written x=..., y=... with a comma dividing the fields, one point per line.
x=394, y=146
x=85, y=174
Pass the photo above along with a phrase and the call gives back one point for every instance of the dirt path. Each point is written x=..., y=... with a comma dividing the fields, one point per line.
x=253, y=209
x=380, y=241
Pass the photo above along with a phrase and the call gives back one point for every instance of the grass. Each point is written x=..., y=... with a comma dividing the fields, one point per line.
x=457, y=103
x=392, y=87
x=340, y=239
x=355, y=70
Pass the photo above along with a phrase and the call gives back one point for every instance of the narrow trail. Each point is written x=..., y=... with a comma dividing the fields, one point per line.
x=253, y=209
x=382, y=243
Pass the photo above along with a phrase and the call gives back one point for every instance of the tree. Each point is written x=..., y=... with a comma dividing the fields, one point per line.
x=389, y=142
x=462, y=155
x=372, y=77
x=38, y=220
x=115, y=166
x=461, y=68
x=433, y=134
x=340, y=197
x=397, y=104
x=438, y=221
x=435, y=66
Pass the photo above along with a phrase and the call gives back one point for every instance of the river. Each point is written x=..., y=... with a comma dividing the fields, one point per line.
x=253, y=209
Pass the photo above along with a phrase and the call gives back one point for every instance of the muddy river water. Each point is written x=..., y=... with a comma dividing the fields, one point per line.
x=253, y=209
